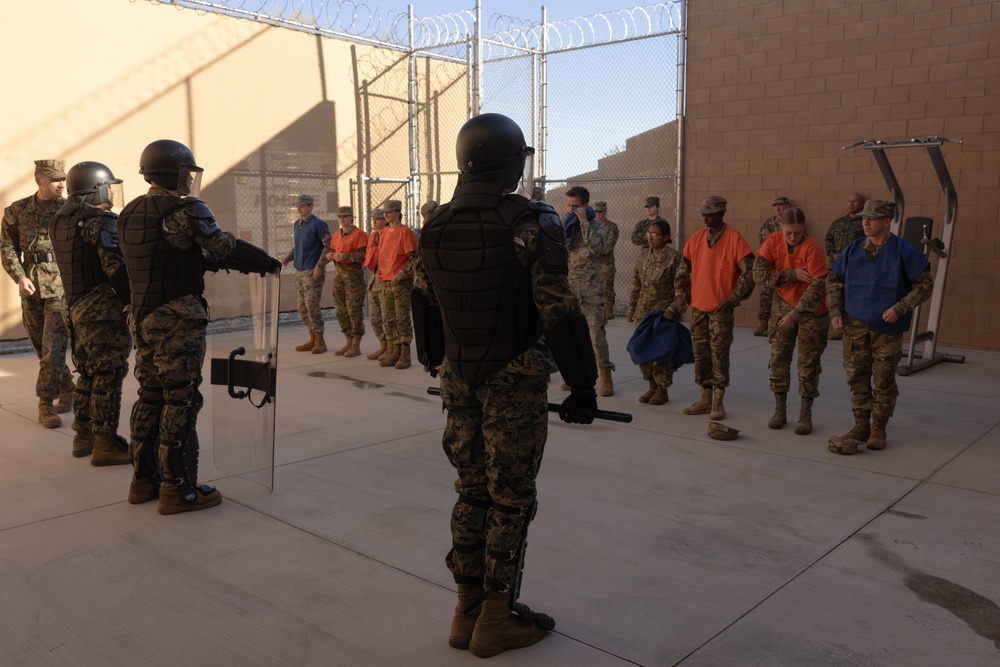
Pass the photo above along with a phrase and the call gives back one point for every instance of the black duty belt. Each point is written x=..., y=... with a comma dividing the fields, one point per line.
x=40, y=256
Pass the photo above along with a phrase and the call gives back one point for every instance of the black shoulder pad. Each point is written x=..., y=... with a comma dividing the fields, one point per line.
x=551, y=243
x=196, y=208
x=541, y=206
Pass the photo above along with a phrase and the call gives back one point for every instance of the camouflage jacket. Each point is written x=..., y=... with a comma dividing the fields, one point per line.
x=842, y=232
x=24, y=238
x=608, y=256
x=587, y=245
x=770, y=226
x=660, y=281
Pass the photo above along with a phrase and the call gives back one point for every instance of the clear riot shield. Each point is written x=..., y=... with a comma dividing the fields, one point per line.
x=244, y=357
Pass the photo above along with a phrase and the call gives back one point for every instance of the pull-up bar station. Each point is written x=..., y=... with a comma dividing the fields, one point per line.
x=918, y=230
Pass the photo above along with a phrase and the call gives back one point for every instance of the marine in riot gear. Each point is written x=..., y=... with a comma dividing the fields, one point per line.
x=164, y=235
x=85, y=239
x=492, y=272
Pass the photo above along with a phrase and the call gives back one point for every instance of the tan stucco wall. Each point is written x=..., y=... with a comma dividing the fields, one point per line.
x=223, y=86
x=775, y=89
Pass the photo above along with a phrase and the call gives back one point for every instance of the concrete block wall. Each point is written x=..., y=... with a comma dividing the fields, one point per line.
x=776, y=88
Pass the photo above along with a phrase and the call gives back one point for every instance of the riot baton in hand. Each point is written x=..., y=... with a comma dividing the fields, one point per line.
x=607, y=415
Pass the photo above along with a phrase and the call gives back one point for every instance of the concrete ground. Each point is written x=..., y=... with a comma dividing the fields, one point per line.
x=653, y=545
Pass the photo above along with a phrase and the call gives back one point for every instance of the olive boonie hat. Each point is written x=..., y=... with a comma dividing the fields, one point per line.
x=781, y=200
x=304, y=200
x=392, y=205
x=51, y=168
x=712, y=204
x=652, y=201
x=345, y=210
x=720, y=431
x=600, y=206
x=878, y=208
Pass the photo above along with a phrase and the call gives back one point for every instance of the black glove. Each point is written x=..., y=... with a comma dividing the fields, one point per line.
x=579, y=407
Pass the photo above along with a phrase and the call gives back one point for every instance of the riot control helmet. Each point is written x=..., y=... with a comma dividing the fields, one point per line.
x=493, y=142
x=94, y=184
x=170, y=164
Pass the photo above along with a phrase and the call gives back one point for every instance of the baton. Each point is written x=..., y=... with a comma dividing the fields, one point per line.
x=607, y=415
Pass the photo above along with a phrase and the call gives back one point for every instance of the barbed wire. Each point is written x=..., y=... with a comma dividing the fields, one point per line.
x=360, y=22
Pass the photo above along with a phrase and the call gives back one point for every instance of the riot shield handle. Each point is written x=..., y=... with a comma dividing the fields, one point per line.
x=232, y=373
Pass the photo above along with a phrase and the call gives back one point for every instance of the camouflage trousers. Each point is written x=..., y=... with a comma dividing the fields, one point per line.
x=494, y=437
x=871, y=359
x=396, y=312
x=811, y=332
x=661, y=374
x=100, y=347
x=711, y=338
x=349, y=301
x=375, y=308
x=592, y=308
x=766, y=303
x=43, y=320
x=169, y=354
x=308, y=293
x=607, y=270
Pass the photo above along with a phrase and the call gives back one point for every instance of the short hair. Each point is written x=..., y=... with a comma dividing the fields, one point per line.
x=580, y=192
x=793, y=216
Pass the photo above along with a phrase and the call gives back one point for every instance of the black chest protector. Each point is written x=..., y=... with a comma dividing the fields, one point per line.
x=79, y=262
x=158, y=272
x=485, y=294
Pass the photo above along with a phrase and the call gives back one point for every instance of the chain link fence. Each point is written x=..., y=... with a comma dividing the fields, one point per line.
x=584, y=91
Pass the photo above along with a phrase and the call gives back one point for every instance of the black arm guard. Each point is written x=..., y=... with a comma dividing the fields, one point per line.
x=248, y=258
x=551, y=243
x=428, y=332
x=204, y=219
x=569, y=340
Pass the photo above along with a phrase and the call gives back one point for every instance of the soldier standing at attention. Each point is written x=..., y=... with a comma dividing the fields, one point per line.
x=872, y=290
x=793, y=264
x=721, y=264
x=375, y=285
x=492, y=278
x=28, y=258
x=162, y=234
x=348, y=247
x=843, y=231
x=586, y=239
x=85, y=236
x=311, y=235
x=396, y=256
x=770, y=226
x=652, y=214
x=606, y=260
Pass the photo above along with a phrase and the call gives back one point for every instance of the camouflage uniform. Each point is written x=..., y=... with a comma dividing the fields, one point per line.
x=871, y=357
x=312, y=237
x=169, y=355
x=589, y=241
x=606, y=264
x=26, y=251
x=101, y=344
x=811, y=327
x=349, y=292
x=375, y=295
x=770, y=226
x=712, y=331
x=661, y=281
x=843, y=231
x=495, y=436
